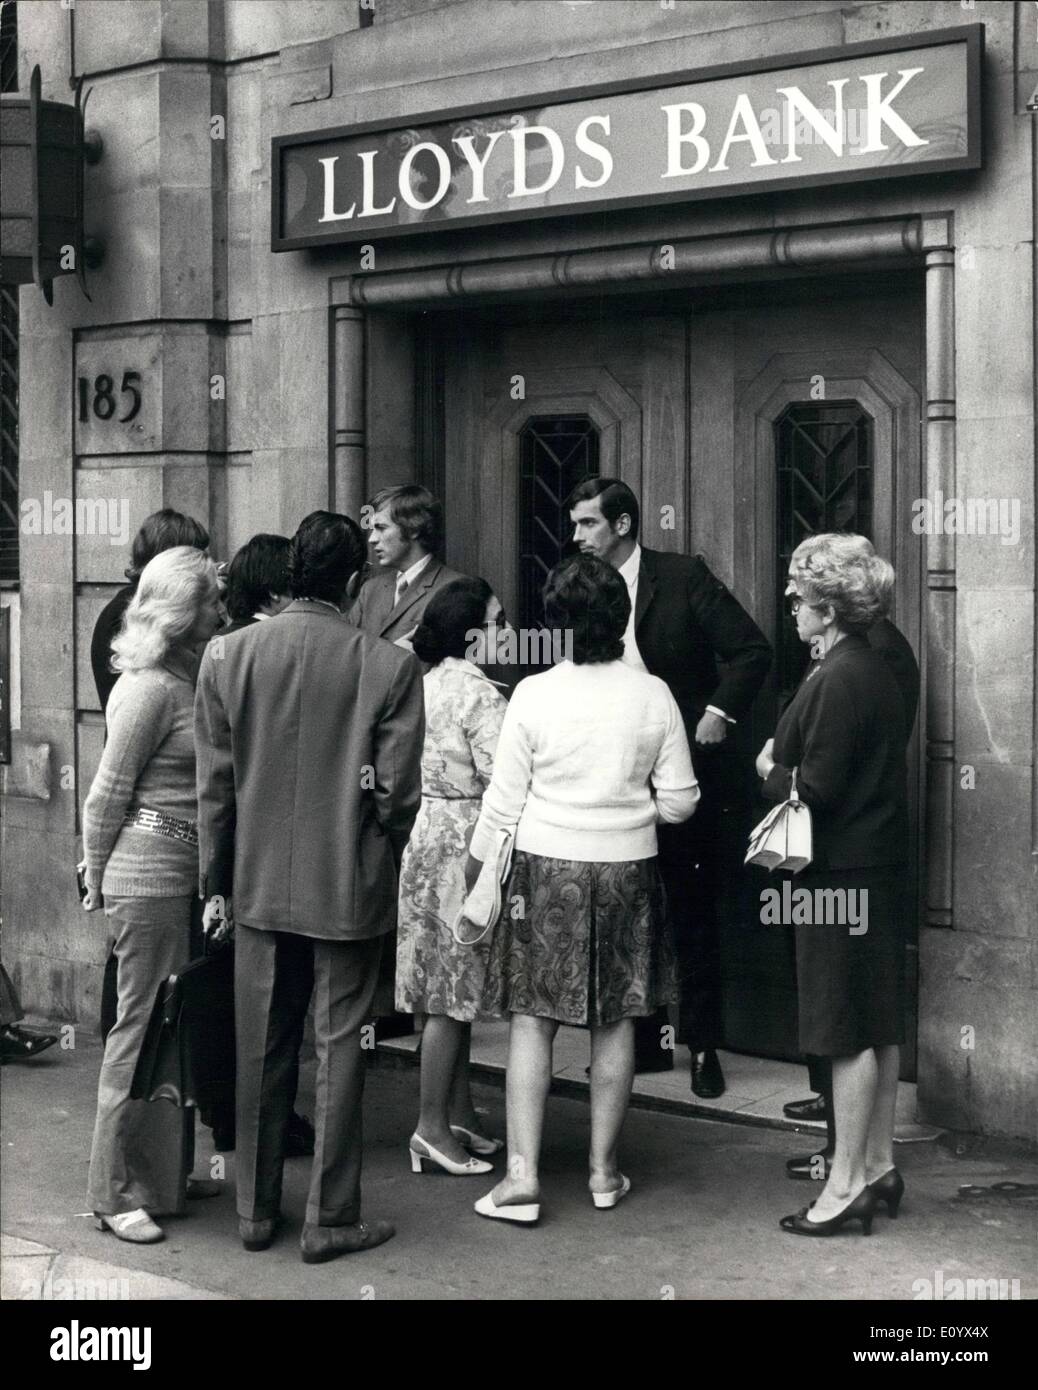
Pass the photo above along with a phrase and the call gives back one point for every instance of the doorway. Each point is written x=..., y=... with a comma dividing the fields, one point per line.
x=744, y=418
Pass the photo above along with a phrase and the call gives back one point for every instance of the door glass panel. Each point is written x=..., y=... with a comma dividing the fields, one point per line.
x=556, y=452
x=823, y=455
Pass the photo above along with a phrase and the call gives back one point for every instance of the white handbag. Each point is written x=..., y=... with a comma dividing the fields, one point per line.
x=482, y=907
x=783, y=839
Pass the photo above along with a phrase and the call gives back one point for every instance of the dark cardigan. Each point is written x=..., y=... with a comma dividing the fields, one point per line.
x=844, y=732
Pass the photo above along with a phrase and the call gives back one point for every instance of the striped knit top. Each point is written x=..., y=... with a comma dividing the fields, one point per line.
x=148, y=762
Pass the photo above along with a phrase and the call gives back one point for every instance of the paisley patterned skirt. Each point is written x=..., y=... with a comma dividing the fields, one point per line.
x=581, y=942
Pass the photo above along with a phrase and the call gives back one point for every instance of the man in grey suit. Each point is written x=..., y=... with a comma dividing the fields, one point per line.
x=406, y=531
x=309, y=738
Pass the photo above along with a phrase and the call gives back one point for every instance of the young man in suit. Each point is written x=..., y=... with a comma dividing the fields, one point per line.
x=309, y=740
x=894, y=647
x=683, y=621
x=406, y=531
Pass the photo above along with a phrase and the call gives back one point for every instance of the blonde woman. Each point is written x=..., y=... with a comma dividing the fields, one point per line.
x=141, y=866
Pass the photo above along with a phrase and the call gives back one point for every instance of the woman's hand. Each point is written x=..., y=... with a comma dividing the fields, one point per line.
x=217, y=919
x=93, y=901
x=765, y=762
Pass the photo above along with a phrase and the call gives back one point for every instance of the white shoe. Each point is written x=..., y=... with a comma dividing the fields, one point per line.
x=478, y=1143
x=427, y=1154
x=604, y=1200
x=136, y=1227
x=525, y=1213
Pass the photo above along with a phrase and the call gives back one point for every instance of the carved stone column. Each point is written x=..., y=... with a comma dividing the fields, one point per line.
x=347, y=485
x=940, y=573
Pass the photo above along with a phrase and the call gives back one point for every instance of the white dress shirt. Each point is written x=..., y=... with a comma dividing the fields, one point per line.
x=406, y=578
x=632, y=656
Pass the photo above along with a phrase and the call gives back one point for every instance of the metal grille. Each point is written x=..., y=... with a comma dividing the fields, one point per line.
x=556, y=452
x=8, y=46
x=824, y=477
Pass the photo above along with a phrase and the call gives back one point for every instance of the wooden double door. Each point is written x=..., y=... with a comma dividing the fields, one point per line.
x=743, y=420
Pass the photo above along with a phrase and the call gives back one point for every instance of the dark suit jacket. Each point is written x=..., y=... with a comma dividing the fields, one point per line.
x=105, y=630
x=309, y=742
x=895, y=649
x=375, y=611
x=685, y=620
x=844, y=732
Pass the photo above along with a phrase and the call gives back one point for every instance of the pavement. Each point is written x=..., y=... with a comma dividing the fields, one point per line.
x=701, y=1222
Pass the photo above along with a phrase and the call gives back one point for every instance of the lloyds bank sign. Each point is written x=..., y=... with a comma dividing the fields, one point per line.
x=865, y=111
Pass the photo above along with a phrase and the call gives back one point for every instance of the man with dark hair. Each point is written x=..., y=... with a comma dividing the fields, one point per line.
x=406, y=531
x=257, y=580
x=160, y=531
x=309, y=736
x=683, y=622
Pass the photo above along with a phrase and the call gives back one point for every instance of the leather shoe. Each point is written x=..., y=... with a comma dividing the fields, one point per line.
x=321, y=1243
x=813, y=1108
x=17, y=1044
x=807, y=1167
x=258, y=1235
x=299, y=1142
x=707, y=1076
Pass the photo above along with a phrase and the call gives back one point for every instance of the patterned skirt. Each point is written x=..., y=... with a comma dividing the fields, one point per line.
x=581, y=942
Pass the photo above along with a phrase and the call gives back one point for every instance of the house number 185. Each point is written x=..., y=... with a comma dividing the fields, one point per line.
x=102, y=403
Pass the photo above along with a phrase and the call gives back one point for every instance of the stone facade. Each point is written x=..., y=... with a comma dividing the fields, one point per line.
x=236, y=346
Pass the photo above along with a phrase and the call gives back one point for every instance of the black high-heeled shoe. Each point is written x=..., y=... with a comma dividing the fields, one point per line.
x=862, y=1209
x=890, y=1188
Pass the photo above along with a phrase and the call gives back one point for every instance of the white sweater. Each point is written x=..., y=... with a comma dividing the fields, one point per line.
x=589, y=759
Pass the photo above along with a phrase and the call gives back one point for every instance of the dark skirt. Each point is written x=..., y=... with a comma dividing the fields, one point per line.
x=581, y=942
x=851, y=987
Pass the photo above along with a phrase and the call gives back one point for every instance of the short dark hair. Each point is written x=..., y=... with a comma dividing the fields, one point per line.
x=454, y=613
x=588, y=599
x=259, y=569
x=416, y=511
x=162, y=531
x=327, y=551
x=614, y=497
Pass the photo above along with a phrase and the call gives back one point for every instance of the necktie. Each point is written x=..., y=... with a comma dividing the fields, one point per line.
x=401, y=587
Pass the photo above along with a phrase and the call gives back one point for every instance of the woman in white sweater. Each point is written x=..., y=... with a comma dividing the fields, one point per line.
x=592, y=756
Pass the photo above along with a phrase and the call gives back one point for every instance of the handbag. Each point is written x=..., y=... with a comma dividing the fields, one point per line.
x=482, y=906
x=783, y=839
x=188, y=1051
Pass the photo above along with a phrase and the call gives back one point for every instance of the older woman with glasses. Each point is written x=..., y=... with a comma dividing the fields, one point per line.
x=141, y=866
x=592, y=756
x=843, y=735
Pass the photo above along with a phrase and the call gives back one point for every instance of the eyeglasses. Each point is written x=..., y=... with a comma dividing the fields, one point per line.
x=796, y=603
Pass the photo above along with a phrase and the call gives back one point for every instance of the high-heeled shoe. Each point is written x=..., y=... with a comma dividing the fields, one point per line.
x=427, y=1154
x=889, y=1188
x=478, y=1143
x=862, y=1208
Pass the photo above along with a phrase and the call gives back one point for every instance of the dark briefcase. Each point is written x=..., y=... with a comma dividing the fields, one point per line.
x=188, y=1051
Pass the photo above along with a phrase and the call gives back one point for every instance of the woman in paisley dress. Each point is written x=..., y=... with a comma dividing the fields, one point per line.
x=592, y=756
x=436, y=976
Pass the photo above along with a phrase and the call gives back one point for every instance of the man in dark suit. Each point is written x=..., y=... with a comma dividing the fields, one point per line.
x=406, y=531
x=894, y=647
x=683, y=623
x=309, y=736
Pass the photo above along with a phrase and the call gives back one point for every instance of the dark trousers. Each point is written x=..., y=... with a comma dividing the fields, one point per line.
x=820, y=1079
x=688, y=863
x=275, y=975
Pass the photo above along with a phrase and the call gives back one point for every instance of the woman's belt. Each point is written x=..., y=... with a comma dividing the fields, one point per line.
x=159, y=823
x=441, y=796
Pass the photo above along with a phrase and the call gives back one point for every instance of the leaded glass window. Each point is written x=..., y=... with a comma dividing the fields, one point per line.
x=823, y=453
x=556, y=452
